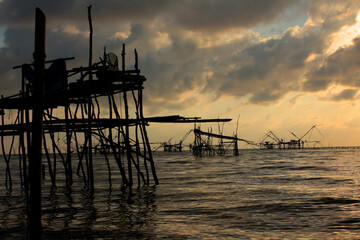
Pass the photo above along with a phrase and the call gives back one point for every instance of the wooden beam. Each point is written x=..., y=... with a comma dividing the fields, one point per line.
x=34, y=223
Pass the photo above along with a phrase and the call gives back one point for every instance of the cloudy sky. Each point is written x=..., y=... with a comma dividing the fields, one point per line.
x=283, y=65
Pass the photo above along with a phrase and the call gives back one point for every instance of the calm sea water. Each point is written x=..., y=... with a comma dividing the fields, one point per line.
x=261, y=194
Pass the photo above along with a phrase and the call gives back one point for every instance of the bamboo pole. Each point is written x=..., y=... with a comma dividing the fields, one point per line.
x=110, y=131
x=21, y=138
x=152, y=164
x=117, y=154
x=7, y=170
x=20, y=163
x=56, y=148
x=68, y=146
x=103, y=138
x=140, y=117
x=91, y=173
x=49, y=161
x=236, y=148
x=127, y=133
x=8, y=162
x=83, y=152
x=28, y=137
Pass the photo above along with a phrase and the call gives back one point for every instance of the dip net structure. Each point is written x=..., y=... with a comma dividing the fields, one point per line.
x=85, y=128
x=92, y=109
x=82, y=111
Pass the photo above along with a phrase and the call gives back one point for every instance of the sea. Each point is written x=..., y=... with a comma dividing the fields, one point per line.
x=260, y=194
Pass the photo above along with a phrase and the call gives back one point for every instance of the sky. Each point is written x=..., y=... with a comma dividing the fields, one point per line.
x=280, y=65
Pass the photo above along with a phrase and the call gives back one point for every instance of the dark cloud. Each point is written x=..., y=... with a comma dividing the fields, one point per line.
x=341, y=67
x=346, y=94
x=135, y=10
x=315, y=85
x=170, y=80
x=13, y=12
x=193, y=15
x=64, y=44
x=265, y=97
x=270, y=69
x=22, y=12
x=15, y=46
x=19, y=48
x=220, y=15
x=179, y=47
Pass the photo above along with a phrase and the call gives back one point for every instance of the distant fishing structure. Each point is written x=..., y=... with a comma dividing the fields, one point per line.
x=177, y=147
x=271, y=141
x=205, y=144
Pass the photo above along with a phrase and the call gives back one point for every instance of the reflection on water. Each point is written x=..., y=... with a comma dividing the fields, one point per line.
x=308, y=194
x=106, y=213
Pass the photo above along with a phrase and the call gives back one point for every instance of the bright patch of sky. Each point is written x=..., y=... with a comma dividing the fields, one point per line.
x=294, y=16
x=345, y=36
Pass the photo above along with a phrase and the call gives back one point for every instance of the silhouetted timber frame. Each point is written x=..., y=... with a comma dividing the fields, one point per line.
x=203, y=143
x=271, y=141
x=82, y=116
x=122, y=130
x=85, y=126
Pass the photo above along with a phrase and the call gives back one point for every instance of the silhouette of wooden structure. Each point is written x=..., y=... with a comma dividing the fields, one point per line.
x=204, y=143
x=82, y=119
x=120, y=131
x=169, y=147
x=177, y=147
x=271, y=141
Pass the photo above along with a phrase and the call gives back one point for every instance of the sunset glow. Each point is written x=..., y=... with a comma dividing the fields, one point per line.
x=280, y=65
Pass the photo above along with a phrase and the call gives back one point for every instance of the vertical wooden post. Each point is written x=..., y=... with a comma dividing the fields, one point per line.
x=127, y=131
x=123, y=57
x=28, y=136
x=110, y=137
x=138, y=124
x=147, y=143
x=49, y=161
x=236, y=148
x=89, y=133
x=34, y=223
x=6, y=158
x=68, y=146
x=22, y=141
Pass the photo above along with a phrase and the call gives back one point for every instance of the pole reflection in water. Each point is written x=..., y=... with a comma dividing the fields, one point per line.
x=79, y=212
x=108, y=211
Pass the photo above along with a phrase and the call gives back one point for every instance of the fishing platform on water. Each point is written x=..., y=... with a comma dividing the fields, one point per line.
x=271, y=141
x=79, y=119
x=203, y=144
